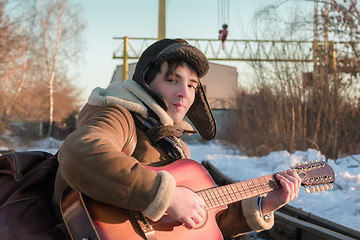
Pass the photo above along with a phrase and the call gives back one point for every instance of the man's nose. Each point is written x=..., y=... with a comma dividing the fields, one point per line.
x=183, y=91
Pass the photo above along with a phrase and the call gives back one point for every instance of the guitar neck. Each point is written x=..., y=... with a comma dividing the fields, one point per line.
x=227, y=194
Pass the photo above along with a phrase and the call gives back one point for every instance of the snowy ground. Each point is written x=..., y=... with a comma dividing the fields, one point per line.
x=340, y=205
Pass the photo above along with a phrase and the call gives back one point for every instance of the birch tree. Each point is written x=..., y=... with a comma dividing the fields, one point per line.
x=50, y=59
x=60, y=26
x=39, y=40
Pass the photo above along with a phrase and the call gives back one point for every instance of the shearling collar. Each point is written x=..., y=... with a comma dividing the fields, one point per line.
x=134, y=98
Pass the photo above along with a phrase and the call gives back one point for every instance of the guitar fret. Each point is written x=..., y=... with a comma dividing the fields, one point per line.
x=244, y=189
x=267, y=183
x=274, y=181
x=249, y=188
x=211, y=200
x=237, y=199
x=233, y=192
x=261, y=185
x=229, y=196
x=214, y=197
x=224, y=198
x=205, y=198
x=219, y=194
x=200, y=193
x=241, y=197
x=252, y=180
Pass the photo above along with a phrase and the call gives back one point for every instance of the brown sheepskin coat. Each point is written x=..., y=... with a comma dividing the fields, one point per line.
x=104, y=158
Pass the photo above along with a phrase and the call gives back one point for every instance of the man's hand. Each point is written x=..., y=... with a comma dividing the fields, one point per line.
x=290, y=182
x=186, y=207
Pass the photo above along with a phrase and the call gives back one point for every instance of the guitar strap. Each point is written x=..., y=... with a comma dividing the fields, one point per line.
x=144, y=225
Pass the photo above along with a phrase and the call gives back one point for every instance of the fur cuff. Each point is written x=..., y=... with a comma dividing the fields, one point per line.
x=252, y=216
x=161, y=202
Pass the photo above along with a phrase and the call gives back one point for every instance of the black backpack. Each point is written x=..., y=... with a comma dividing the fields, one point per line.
x=27, y=183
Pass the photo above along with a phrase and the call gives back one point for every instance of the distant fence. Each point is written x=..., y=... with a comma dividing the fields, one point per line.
x=40, y=129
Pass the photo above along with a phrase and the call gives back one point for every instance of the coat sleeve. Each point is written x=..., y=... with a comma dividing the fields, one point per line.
x=92, y=161
x=242, y=217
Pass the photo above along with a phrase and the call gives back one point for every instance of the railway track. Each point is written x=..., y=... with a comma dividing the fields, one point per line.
x=292, y=223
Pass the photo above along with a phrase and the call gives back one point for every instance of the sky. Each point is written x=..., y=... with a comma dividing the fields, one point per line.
x=139, y=18
x=340, y=205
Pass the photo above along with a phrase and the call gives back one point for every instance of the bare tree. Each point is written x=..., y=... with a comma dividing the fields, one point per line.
x=13, y=57
x=54, y=17
x=39, y=40
x=50, y=61
x=301, y=105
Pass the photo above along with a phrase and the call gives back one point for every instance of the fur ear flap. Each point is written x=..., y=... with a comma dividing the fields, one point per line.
x=201, y=115
x=179, y=49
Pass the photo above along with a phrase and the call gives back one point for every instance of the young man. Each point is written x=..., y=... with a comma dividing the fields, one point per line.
x=139, y=122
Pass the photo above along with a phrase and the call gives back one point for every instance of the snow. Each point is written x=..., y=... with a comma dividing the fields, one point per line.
x=340, y=205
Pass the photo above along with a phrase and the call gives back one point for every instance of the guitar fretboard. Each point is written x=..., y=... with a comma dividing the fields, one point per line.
x=227, y=194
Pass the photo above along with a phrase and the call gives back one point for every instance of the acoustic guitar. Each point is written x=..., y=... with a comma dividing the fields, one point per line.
x=86, y=218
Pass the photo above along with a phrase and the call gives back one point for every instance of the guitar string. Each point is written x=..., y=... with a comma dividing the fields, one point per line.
x=202, y=196
x=238, y=190
x=215, y=197
x=261, y=184
x=209, y=199
x=217, y=190
x=255, y=186
x=228, y=196
x=236, y=195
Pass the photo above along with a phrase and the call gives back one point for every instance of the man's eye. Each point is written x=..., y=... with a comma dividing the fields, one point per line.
x=170, y=80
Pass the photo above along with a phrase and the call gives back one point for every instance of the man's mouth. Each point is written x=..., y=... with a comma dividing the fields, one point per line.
x=178, y=106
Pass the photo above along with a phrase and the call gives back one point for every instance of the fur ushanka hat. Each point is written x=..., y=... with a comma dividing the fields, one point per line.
x=178, y=49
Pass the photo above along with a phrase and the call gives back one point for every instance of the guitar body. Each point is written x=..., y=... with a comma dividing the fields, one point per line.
x=88, y=219
x=110, y=222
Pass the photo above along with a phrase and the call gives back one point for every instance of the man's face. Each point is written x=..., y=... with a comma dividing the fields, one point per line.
x=178, y=89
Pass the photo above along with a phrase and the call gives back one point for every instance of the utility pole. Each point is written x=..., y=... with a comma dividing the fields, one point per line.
x=161, y=27
x=125, y=69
